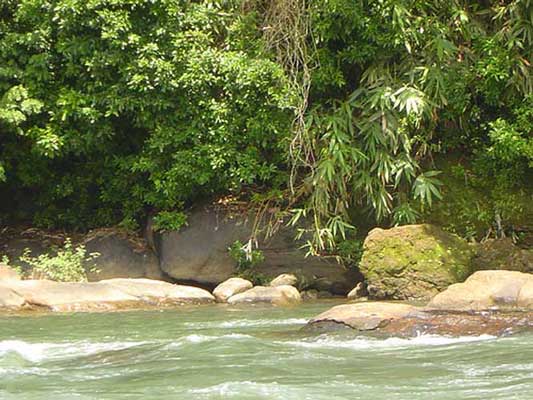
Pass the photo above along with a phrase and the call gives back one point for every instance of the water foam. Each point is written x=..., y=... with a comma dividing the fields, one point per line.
x=195, y=338
x=393, y=342
x=247, y=323
x=37, y=352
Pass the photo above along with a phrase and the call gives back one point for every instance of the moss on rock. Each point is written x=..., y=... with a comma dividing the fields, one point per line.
x=413, y=262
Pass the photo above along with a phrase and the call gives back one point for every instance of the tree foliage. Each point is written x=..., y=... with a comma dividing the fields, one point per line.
x=111, y=110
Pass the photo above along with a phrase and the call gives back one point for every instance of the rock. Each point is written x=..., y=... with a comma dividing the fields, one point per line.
x=231, y=287
x=358, y=292
x=487, y=290
x=284, y=279
x=8, y=274
x=69, y=296
x=495, y=254
x=120, y=256
x=199, y=252
x=396, y=319
x=9, y=298
x=279, y=295
x=365, y=316
x=413, y=262
x=105, y=295
x=159, y=292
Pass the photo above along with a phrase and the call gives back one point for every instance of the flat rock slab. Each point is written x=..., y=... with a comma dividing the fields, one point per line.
x=279, y=295
x=487, y=290
x=112, y=294
x=396, y=319
x=365, y=316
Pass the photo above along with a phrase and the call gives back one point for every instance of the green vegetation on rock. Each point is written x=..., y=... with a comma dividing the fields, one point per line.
x=414, y=262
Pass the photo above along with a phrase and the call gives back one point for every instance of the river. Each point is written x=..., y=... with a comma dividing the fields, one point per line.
x=256, y=352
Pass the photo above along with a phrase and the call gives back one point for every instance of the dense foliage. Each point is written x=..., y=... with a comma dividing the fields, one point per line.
x=114, y=109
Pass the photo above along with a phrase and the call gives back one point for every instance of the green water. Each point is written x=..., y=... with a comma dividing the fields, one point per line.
x=221, y=352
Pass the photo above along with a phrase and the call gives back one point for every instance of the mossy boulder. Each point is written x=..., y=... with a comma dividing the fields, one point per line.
x=413, y=262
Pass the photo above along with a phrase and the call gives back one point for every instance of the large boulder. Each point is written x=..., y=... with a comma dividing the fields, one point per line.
x=231, y=287
x=413, y=262
x=364, y=316
x=199, y=253
x=105, y=295
x=487, y=290
x=120, y=256
x=279, y=295
x=497, y=254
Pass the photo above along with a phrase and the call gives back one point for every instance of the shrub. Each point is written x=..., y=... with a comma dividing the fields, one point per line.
x=68, y=264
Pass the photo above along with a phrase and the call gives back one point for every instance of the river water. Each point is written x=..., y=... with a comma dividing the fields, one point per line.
x=255, y=352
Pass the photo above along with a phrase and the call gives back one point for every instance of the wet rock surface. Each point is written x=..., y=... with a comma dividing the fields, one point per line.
x=398, y=319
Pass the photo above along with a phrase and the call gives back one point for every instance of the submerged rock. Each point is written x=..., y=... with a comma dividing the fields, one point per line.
x=279, y=295
x=413, y=262
x=487, y=290
x=364, y=316
x=104, y=295
x=284, y=279
x=231, y=287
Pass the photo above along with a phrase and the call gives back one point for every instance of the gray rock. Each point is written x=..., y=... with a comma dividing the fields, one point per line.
x=231, y=287
x=199, y=252
x=120, y=257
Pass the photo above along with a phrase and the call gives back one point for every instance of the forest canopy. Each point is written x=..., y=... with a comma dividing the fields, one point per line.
x=113, y=110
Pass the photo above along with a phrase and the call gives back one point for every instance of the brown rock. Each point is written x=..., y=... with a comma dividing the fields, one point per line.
x=284, y=279
x=9, y=298
x=160, y=292
x=487, y=290
x=279, y=295
x=105, y=295
x=365, y=316
x=8, y=274
x=231, y=287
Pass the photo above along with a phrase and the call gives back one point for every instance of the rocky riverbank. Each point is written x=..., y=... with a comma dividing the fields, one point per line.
x=488, y=302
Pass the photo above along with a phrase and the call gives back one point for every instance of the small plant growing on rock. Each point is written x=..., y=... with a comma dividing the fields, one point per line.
x=68, y=264
x=246, y=258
